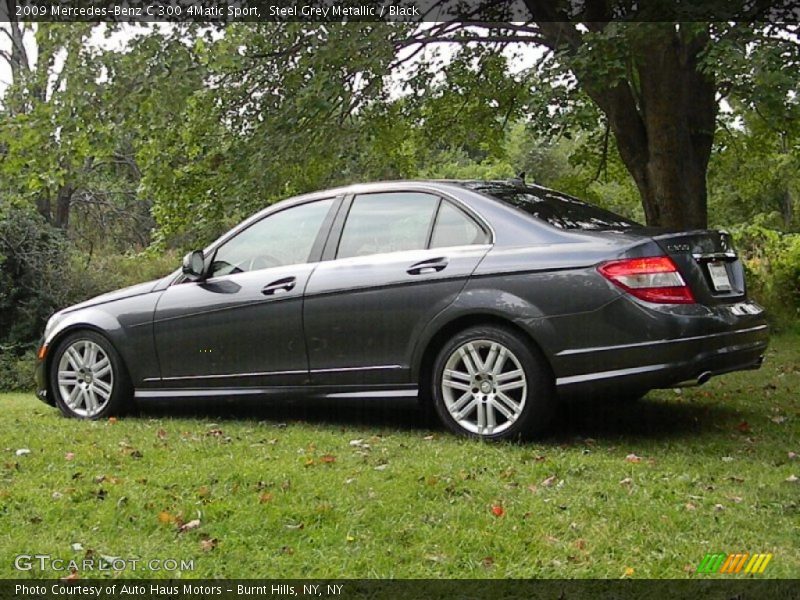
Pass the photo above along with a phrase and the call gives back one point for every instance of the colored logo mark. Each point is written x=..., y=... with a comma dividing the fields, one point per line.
x=734, y=563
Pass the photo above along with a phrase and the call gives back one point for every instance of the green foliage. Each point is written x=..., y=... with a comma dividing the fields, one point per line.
x=33, y=282
x=772, y=263
x=16, y=372
x=40, y=273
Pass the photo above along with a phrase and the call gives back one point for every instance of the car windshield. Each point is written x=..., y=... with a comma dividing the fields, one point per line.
x=559, y=210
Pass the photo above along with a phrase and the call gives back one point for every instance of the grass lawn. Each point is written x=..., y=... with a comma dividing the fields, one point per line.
x=365, y=489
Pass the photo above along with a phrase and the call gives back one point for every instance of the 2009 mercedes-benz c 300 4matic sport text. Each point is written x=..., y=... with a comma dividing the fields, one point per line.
x=492, y=300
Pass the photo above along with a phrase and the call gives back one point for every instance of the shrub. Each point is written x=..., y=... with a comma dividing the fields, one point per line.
x=772, y=263
x=40, y=273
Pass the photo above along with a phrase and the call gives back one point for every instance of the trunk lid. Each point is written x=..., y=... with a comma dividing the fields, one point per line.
x=707, y=262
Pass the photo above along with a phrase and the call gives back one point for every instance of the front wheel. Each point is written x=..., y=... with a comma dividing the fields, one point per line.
x=489, y=383
x=88, y=378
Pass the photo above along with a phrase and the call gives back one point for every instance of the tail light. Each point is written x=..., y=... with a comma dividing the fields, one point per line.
x=653, y=279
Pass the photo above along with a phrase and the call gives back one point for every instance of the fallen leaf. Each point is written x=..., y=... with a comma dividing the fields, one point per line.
x=350, y=538
x=23, y=452
x=778, y=420
x=193, y=524
x=428, y=438
x=203, y=491
x=735, y=499
x=744, y=427
x=73, y=575
x=628, y=572
x=487, y=562
x=328, y=458
x=792, y=479
x=382, y=467
x=533, y=488
x=791, y=455
x=69, y=455
x=264, y=498
x=112, y=420
x=214, y=432
x=295, y=526
x=580, y=544
x=57, y=495
x=165, y=517
x=356, y=442
x=719, y=507
x=626, y=481
x=208, y=544
x=632, y=458
x=497, y=510
x=549, y=481
x=161, y=434
x=690, y=506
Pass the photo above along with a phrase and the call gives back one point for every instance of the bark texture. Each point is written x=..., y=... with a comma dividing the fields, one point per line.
x=662, y=113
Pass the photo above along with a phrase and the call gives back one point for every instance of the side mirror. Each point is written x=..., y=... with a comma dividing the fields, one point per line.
x=194, y=265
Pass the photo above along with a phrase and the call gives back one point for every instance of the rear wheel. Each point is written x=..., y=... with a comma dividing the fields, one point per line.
x=88, y=378
x=489, y=383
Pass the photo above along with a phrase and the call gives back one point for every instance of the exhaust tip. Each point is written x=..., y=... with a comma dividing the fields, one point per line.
x=703, y=377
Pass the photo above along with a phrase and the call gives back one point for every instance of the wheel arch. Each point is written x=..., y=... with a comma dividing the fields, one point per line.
x=423, y=365
x=55, y=341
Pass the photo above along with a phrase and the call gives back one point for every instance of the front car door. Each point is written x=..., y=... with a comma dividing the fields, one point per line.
x=398, y=258
x=243, y=325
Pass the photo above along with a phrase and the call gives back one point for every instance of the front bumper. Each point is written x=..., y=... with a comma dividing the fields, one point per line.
x=41, y=384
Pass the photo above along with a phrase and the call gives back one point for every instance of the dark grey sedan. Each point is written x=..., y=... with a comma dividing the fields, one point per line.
x=491, y=300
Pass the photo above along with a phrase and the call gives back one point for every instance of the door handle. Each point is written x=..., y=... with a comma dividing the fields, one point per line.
x=433, y=265
x=281, y=286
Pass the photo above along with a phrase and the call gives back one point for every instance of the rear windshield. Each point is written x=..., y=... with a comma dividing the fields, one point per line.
x=559, y=210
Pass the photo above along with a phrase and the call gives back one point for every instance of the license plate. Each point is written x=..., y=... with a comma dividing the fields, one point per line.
x=719, y=277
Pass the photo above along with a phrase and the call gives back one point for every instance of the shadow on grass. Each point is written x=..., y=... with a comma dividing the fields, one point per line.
x=652, y=417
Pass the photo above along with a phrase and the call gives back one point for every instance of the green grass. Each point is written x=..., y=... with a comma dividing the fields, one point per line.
x=286, y=491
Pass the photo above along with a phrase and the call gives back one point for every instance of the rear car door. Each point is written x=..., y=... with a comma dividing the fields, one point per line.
x=396, y=260
x=243, y=325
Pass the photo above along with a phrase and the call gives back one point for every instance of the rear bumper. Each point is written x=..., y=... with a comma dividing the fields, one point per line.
x=713, y=343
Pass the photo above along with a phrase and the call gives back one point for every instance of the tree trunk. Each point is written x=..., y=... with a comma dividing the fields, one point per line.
x=43, y=206
x=63, y=204
x=663, y=114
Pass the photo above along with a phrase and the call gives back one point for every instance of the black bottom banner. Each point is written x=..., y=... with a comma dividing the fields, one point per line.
x=382, y=589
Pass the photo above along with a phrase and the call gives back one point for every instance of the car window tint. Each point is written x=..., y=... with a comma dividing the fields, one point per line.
x=559, y=210
x=454, y=228
x=389, y=222
x=283, y=238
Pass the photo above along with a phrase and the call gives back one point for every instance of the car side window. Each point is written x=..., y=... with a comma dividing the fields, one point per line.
x=454, y=228
x=387, y=222
x=283, y=238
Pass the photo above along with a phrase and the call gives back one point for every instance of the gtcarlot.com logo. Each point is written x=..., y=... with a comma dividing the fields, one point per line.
x=43, y=562
x=734, y=563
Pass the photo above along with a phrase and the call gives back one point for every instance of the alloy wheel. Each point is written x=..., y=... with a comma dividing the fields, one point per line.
x=85, y=378
x=484, y=387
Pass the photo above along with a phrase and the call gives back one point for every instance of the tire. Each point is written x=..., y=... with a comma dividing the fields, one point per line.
x=509, y=395
x=88, y=378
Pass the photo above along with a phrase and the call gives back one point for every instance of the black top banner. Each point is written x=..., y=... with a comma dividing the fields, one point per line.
x=477, y=11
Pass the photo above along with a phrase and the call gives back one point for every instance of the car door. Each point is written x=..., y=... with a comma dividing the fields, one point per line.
x=398, y=258
x=242, y=326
